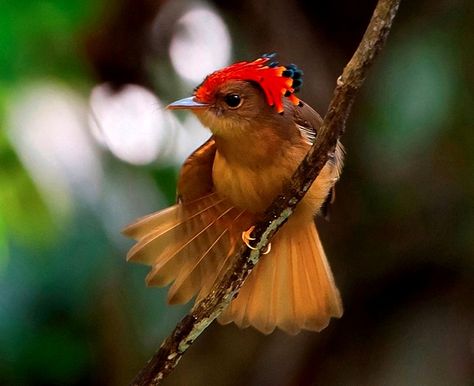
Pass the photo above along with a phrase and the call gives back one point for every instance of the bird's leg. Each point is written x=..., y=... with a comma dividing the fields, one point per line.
x=246, y=239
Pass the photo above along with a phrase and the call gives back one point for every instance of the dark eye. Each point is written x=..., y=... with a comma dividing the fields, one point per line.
x=233, y=100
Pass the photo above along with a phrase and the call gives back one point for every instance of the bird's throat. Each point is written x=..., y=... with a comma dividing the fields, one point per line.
x=249, y=150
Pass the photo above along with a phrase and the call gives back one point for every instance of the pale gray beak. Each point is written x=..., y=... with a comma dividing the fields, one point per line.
x=186, y=103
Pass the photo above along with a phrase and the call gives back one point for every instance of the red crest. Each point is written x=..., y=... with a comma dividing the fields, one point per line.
x=275, y=80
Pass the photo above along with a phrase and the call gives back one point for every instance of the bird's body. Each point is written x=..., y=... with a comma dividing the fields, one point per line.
x=224, y=187
x=253, y=171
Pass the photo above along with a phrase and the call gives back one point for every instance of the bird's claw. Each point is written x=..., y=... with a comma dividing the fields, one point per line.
x=246, y=238
x=269, y=248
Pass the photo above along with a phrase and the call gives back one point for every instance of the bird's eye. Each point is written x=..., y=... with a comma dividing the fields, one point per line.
x=233, y=100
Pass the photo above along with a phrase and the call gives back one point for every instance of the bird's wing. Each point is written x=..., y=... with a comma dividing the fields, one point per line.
x=308, y=122
x=325, y=209
x=190, y=243
x=306, y=119
x=195, y=177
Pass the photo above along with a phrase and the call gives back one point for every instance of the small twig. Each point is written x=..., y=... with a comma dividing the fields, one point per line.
x=223, y=291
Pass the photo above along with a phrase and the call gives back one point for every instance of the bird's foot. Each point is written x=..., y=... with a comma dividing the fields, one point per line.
x=246, y=238
x=269, y=248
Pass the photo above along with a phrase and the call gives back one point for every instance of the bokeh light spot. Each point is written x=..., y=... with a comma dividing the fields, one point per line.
x=46, y=126
x=129, y=122
x=200, y=45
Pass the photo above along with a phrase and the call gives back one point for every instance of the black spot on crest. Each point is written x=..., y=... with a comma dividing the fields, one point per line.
x=297, y=83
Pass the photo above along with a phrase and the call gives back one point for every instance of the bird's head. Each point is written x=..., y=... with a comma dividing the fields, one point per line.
x=237, y=97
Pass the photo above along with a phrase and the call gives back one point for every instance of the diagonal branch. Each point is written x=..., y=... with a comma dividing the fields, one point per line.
x=223, y=291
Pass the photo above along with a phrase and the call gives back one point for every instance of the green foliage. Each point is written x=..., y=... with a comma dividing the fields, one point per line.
x=39, y=38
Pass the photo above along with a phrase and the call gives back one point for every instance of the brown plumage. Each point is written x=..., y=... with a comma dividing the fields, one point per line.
x=223, y=188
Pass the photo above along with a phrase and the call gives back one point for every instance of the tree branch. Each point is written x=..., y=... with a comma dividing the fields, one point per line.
x=223, y=291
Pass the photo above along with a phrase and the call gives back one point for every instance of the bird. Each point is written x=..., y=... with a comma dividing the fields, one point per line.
x=260, y=132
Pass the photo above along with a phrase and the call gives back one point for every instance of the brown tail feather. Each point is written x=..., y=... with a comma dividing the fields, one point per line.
x=199, y=256
x=291, y=288
x=217, y=256
x=186, y=243
x=174, y=228
x=165, y=218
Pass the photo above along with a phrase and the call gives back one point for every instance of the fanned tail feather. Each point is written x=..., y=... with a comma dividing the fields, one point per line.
x=219, y=256
x=185, y=243
x=291, y=288
x=200, y=254
x=191, y=244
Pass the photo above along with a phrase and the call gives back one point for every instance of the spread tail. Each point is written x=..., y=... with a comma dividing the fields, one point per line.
x=291, y=288
x=191, y=244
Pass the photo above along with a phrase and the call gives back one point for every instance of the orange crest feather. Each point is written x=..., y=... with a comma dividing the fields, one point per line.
x=276, y=81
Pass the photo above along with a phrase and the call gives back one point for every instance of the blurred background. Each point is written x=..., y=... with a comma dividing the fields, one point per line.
x=86, y=147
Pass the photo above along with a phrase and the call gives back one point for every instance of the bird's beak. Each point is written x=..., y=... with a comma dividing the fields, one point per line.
x=187, y=103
